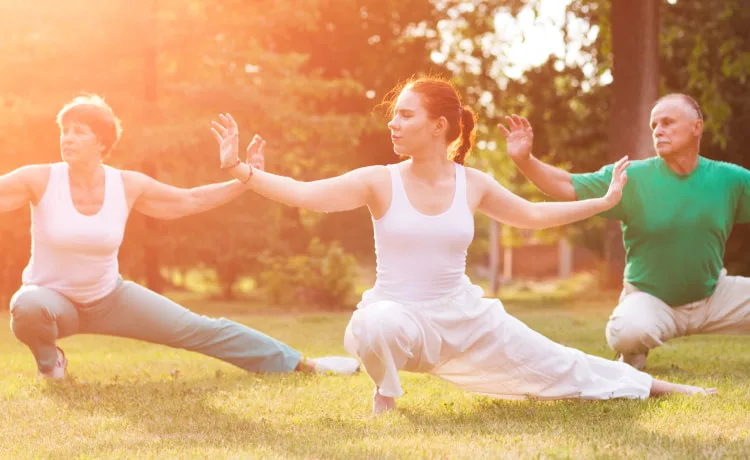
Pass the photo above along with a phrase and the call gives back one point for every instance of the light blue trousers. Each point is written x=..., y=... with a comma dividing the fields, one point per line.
x=40, y=316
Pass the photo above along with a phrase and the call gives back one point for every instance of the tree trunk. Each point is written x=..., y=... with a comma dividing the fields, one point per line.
x=635, y=49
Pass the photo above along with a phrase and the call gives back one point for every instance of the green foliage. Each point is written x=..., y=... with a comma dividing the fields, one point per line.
x=304, y=75
x=324, y=276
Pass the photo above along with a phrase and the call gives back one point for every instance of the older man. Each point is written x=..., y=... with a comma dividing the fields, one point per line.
x=675, y=222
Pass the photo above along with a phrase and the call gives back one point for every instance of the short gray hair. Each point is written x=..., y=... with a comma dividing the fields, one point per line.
x=692, y=103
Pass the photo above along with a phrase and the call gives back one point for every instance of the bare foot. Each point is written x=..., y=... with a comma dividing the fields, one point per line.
x=660, y=387
x=382, y=404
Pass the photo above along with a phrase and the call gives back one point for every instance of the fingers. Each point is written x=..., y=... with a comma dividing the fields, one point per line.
x=619, y=172
x=512, y=124
x=218, y=127
x=255, y=153
x=252, y=147
x=232, y=123
x=228, y=122
x=620, y=166
x=218, y=136
x=515, y=122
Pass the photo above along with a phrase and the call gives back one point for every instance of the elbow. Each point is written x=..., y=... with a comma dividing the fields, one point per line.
x=534, y=218
x=564, y=191
x=191, y=204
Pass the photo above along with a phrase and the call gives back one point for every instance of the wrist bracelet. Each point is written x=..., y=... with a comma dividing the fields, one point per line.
x=232, y=166
x=248, y=176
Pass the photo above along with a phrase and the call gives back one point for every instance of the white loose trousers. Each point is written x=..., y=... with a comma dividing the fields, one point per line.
x=475, y=344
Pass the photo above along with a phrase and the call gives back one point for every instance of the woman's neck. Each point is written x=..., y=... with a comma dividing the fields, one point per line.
x=86, y=174
x=431, y=168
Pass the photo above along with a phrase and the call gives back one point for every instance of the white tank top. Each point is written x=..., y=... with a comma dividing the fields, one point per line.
x=421, y=257
x=71, y=253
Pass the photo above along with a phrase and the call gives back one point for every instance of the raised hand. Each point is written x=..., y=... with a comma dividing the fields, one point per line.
x=255, y=156
x=520, y=137
x=226, y=133
x=619, y=179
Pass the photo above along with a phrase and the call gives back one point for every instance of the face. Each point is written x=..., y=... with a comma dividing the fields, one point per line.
x=78, y=143
x=412, y=131
x=675, y=127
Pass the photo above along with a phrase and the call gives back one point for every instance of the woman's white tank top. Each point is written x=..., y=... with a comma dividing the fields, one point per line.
x=72, y=253
x=422, y=257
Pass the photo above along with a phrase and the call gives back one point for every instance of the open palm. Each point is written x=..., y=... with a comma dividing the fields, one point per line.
x=619, y=179
x=519, y=138
x=226, y=133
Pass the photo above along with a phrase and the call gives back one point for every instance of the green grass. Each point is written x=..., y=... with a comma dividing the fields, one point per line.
x=127, y=399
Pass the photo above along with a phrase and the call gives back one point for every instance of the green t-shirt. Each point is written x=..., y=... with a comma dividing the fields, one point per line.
x=675, y=227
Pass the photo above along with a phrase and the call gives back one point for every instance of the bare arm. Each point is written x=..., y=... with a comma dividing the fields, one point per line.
x=552, y=181
x=162, y=201
x=16, y=188
x=342, y=193
x=500, y=204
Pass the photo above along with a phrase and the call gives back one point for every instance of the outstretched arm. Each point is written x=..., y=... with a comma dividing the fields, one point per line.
x=162, y=201
x=552, y=181
x=500, y=204
x=16, y=189
x=342, y=193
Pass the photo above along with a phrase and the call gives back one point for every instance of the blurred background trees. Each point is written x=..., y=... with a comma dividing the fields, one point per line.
x=309, y=77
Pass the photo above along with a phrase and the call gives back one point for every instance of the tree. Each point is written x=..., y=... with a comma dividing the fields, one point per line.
x=635, y=88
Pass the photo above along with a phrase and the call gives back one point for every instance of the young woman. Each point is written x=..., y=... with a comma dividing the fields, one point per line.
x=72, y=284
x=423, y=314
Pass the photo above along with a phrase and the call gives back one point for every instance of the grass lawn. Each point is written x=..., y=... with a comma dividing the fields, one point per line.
x=130, y=399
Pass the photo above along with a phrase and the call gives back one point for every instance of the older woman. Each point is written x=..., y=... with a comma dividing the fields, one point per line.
x=72, y=284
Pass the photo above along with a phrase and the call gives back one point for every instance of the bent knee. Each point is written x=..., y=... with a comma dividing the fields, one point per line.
x=626, y=335
x=29, y=303
x=380, y=325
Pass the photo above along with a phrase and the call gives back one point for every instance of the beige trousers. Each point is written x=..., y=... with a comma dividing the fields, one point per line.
x=642, y=322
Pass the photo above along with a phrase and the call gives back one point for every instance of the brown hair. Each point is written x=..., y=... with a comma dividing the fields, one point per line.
x=440, y=99
x=92, y=111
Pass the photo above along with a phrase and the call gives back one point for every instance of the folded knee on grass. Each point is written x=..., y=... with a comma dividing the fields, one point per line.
x=630, y=337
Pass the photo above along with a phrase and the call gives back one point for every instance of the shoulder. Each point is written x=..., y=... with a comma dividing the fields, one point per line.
x=475, y=175
x=36, y=178
x=135, y=182
x=374, y=175
x=131, y=176
x=480, y=181
x=643, y=166
x=727, y=173
x=725, y=167
x=36, y=172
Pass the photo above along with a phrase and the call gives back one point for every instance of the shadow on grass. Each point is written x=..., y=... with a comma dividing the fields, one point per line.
x=167, y=413
x=614, y=427
x=176, y=414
